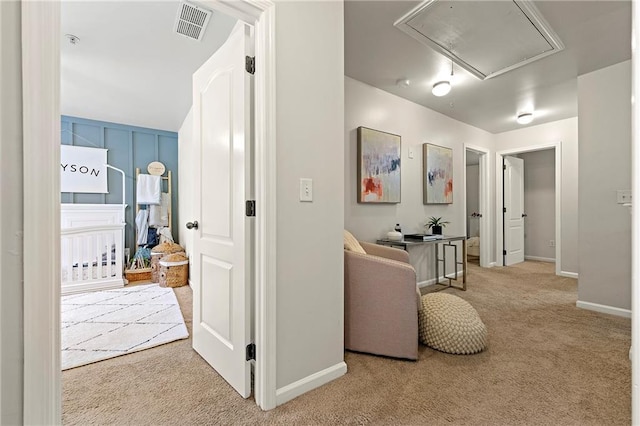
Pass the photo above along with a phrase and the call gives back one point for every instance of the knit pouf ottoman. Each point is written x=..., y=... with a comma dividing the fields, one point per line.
x=450, y=324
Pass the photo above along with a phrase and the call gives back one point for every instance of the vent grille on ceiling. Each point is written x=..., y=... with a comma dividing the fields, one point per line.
x=192, y=21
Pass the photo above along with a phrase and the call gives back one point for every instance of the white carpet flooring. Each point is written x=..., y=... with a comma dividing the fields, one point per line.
x=106, y=324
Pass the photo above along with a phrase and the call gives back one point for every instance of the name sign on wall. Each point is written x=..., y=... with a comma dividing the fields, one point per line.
x=83, y=169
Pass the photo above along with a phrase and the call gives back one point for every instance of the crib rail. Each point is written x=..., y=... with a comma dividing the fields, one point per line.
x=92, y=257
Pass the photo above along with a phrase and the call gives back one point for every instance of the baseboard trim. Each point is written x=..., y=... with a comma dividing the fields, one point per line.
x=87, y=287
x=540, y=259
x=569, y=274
x=626, y=313
x=432, y=281
x=311, y=382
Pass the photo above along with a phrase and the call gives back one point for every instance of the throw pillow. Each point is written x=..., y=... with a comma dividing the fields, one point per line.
x=351, y=244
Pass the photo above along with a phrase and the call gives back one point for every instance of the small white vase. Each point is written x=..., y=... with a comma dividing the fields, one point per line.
x=394, y=236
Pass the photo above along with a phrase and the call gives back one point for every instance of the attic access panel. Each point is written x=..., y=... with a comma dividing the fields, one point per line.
x=487, y=38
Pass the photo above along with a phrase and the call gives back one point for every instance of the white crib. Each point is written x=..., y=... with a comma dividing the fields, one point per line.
x=92, y=247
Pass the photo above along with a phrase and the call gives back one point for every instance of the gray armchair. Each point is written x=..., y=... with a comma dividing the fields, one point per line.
x=381, y=302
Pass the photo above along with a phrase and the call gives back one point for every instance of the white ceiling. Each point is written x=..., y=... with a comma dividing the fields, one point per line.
x=129, y=66
x=596, y=34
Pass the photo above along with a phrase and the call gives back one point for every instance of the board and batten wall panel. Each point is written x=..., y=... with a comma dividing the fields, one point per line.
x=129, y=148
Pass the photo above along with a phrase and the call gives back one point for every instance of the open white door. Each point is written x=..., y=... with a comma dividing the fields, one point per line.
x=513, y=210
x=222, y=277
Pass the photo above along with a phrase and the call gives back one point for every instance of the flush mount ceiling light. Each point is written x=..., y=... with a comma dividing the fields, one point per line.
x=525, y=118
x=441, y=88
x=486, y=38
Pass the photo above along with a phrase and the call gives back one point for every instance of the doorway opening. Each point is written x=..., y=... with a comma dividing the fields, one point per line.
x=41, y=116
x=477, y=206
x=528, y=205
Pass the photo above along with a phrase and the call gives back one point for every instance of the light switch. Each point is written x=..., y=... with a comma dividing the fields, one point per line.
x=410, y=152
x=306, y=189
x=623, y=196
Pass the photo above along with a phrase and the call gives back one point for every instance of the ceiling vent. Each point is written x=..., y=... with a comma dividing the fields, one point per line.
x=486, y=38
x=192, y=21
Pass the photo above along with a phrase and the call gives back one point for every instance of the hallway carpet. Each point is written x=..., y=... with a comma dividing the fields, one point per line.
x=547, y=362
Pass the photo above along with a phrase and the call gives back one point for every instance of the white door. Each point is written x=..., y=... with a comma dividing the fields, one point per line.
x=222, y=277
x=513, y=210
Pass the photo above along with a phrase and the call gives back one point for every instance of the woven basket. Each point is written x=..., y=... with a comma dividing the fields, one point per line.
x=157, y=253
x=174, y=270
x=133, y=275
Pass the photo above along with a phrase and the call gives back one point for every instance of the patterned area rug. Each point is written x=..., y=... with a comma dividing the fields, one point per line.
x=105, y=324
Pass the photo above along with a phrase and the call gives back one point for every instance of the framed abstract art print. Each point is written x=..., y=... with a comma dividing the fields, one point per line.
x=378, y=166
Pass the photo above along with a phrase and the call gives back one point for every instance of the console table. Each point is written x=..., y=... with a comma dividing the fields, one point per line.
x=446, y=242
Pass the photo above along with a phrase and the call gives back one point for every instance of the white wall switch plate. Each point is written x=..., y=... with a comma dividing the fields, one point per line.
x=623, y=196
x=306, y=189
x=410, y=152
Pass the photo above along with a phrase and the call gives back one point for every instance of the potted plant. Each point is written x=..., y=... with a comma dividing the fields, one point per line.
x=436, y=224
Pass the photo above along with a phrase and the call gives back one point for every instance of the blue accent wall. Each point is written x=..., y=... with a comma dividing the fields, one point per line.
x=129, y=147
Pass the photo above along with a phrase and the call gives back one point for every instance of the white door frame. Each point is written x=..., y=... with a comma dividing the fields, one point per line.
x=41, y=118
x=557, y=147
x=635, y=216
x=484, y=202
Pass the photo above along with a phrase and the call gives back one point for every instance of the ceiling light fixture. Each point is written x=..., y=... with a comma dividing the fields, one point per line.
x=403, y=82
x=525, y=118
x=443, y=87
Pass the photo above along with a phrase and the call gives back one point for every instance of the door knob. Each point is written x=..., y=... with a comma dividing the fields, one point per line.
x=192, y=225
x=524, y=215
x=478, y=214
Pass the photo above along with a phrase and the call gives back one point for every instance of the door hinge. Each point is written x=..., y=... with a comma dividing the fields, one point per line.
x=504, y=167
x=504, y=252
x=251, y=352
x=504, y=210
x=250, y=64
x=250, y=208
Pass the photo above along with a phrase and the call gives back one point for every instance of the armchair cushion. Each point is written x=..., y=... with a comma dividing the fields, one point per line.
x=351, y=244
x=384, y=251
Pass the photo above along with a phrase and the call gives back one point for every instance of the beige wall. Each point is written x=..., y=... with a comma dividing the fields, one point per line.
x=539, y=204
x=376, y=109
x=565, y=131
x=11, y=222
x=310, y=144
x=604, y=107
